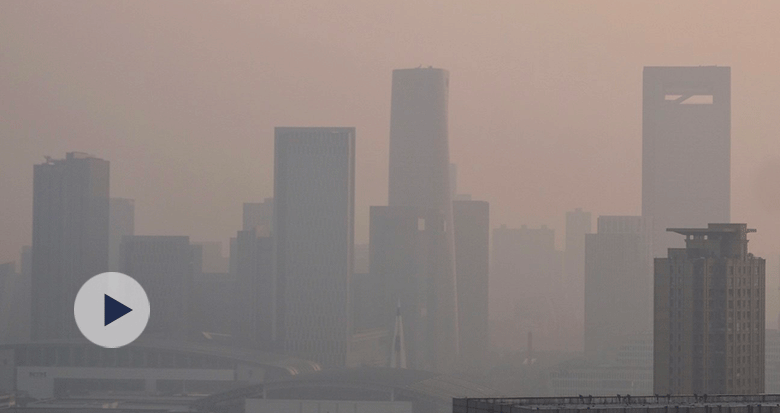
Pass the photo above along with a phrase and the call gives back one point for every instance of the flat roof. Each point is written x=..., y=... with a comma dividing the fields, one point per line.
x=713, y=229
x=588, y=402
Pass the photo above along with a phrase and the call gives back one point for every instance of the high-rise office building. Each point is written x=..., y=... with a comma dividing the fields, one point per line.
x=710, y=314
x=213, y=261
x=314, y=193
x=618, y=284
x=361, y=258
x=259, y=216
x=524, y=271
x=70, y=238
x=405, y=245
x=525, y=277
x=212, y=306
x=14, y=305
x=165, y=266
x=26, y=261
x=420, y=177
x=472, y=252
x=453, y=180
x=686, y=149
x=365, y=298
x=578, y=224
x=253, y=289
x=121, y=223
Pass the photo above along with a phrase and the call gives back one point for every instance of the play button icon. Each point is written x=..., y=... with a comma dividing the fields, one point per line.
x=111, y=309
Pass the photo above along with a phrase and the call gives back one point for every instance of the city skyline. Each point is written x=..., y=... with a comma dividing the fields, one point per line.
x=505, y=134
x=385, y=205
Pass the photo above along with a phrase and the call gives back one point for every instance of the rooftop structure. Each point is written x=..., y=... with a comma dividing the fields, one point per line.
x=709, y=314
x=625, y=404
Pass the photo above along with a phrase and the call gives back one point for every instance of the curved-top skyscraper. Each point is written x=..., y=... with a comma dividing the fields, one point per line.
x=419, y=177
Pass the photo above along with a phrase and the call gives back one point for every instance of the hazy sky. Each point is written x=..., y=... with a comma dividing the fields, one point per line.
x=545, y=103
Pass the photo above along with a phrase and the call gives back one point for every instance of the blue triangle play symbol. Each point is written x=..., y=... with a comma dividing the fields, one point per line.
x=114, y=310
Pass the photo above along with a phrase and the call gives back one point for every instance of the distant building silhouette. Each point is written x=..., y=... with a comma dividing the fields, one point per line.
x=618, y=284
x=710, y=314
x=686, y=149
x=253, y=293
x=472, y=252
x=213, y=260
x=70, y=238
x=525, y=281
x=419, y=176
x=314, y=192
x=212, y=306
x=453, y=174
x=259, y=216
x=366, y=302
x=26, y=261
x=361, y=258
x=165, y=266
x=578, y=224
x=406, y=244
x=121, y=223
x=14, y=305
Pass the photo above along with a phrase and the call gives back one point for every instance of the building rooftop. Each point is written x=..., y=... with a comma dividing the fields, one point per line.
x=617, y=402
x=713, y=229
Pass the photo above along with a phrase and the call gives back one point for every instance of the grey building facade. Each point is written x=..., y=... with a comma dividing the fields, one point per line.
x=472, y=252
x=419, y=176
x=314, y=195
x=165, y=266
x=70, y=238
x=709, y=324
x=121, y=223
x=259, y=216
x=253, y=290
x=618, y=283
x=686, y=149
x=405, y=246
x=578, y=224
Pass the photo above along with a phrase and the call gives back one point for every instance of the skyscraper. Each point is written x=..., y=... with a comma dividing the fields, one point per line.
x=686, y=149
x=165, y=266
x=121, y=223
x=472, y=252
x=253, y=289
x=524, y=271
x=578, y=223
x=70, y=238
x=314, y=194
x=710, y=314
x=260, y=216
x=525, y=277
x=618, y=284
x=14, y=305
x=420, y=177
x=405, y=245
x=213, y=260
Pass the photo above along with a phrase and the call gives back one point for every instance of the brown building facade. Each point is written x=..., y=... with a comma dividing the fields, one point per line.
x=710, y=314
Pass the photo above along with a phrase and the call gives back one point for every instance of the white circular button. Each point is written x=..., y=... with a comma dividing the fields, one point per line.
x=111, y=309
